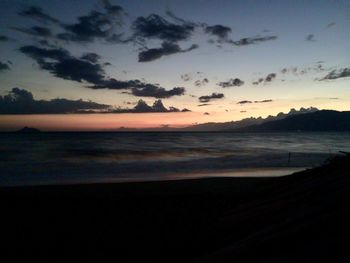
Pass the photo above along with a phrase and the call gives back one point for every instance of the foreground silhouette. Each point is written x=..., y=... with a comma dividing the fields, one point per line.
x=303, y=217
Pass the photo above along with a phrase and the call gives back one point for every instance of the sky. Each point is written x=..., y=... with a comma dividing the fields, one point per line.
x=85, y=65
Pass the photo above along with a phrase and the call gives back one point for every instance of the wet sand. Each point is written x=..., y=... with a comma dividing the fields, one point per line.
x=302, y=217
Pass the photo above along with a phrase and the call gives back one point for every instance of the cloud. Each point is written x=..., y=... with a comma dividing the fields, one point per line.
x=211, y=97
x=91, y=57
x=270, y=77
x=62, y=64
x=95, y=25
x=89, y=27
x=157, y=92
x=310, y=37
x=166, y=50
x=143, y=107
x=331, y=24
x=253, y=40
x=4, y=38
x=35, y=31
x=242, y=102
x=231, y=83
x=263, y=101
x=204, y=104
x=260, y=80
x=157, y=27
x=206, y=113
x=112, y=9
x=21, y=101
x=37, y=13
x=219, y=31
x=186, y=77
x=200, y=83
x=336, y=74
x=4, y=66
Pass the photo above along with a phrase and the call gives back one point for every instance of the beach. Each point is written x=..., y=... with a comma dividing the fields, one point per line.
x=302, y=217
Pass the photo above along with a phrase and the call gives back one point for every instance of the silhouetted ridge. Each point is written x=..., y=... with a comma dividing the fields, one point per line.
x=324, y=120
x=28, y=130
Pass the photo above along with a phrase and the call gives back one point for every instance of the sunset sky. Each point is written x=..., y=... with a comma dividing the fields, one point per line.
x=207, y=61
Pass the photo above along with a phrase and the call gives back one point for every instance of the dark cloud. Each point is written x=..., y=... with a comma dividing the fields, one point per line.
x=231, y=83
x=253, y=40
x=166, y=50
x=336, y=74
x=4, y=66
x=260, y=80
x=35, y=31
x=62, y=64
x=21, y=101
x=242, y=102
x=206, y=113
x=243, y=111
x=112, y=9
x=40, y=54
x=178, y=19
x=204, y=104
x=270, y=77
x=331, y=24
x=202, y=82
x=186, y=77
x=157, y=92
x=220, y=31
x=38, y=14
x=263, y=101
x=156, y=27
x=211, y=97
x=89, y=27
x=4, y=38
x=310, y=37
x=91, y=57
x=46, y=43
x=143, y=107
x=95, y=25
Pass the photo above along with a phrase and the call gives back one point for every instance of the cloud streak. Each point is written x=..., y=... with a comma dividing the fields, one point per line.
x=337, y=74
x=213, y=96
x=231, y=83
x=165, y=50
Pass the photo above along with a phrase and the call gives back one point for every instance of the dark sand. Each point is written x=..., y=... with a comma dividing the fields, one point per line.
x=303, y=217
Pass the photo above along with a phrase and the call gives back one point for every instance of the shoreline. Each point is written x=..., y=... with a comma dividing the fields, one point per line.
x=291, y=218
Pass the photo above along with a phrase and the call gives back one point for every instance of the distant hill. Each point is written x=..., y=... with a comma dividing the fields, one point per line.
x=324, y=120
x=222, y=126
x=28, y=130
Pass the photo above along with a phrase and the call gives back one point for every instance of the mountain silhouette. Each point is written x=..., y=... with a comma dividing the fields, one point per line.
x=324, y=120
x=222, y=126
x=28, y=130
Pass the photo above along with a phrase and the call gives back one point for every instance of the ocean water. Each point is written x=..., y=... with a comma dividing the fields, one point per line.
x=60, y=158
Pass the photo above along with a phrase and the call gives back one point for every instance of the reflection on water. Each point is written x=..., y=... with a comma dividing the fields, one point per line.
x=85, y=157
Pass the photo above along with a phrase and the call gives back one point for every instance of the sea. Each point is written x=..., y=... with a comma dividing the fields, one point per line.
x=103, y=157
